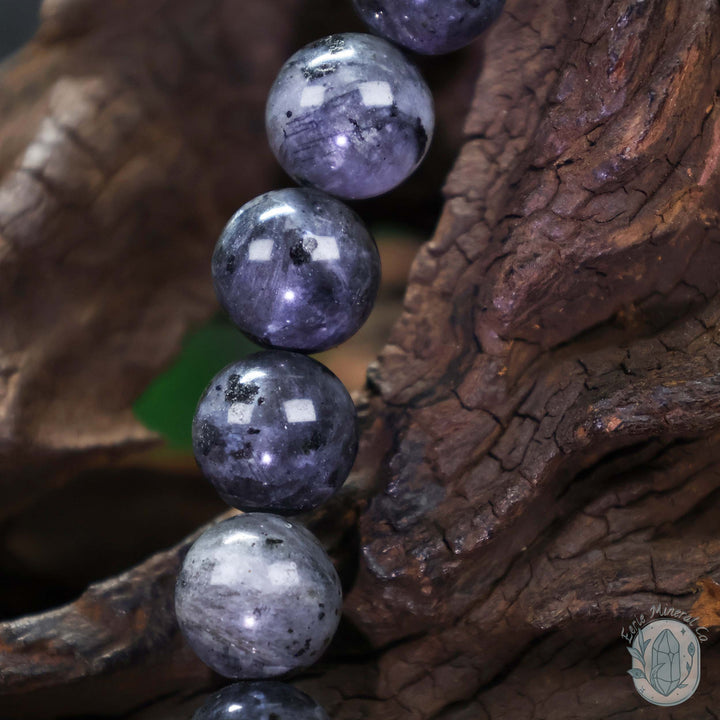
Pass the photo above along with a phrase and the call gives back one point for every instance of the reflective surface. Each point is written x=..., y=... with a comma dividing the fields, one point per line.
x=275, y=431
x=296, y=269
x=349, y=114
x=265, y=700
x=429, y=26
x=257, y=596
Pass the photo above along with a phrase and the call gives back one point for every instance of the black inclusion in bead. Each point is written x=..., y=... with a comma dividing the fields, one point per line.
x=296, y=269
x=267, y=700
x=275, y=431
x=430, y=28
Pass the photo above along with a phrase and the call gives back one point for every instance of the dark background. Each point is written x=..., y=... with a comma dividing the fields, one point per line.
x=18, y=20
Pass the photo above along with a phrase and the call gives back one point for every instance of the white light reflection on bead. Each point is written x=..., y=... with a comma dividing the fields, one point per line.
x=284, y=574
x=298, y=411
x=341, y=141
x=252, y=375
x=239, y=536
x=289, y=295
x=376, y=93
x=345, y=54
x=234, y=708
x=240, y=413
x=266, y=458
x=249, y=621
x=278, y=211
x=260, y=250
x=312, y=96
x=321, y=247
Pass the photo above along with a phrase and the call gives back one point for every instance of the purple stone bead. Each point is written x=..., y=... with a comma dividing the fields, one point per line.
x=430, y=27
x=264, y=700
x=275, y=431
x=296, y=269
x=349, y=114
x=257, y=597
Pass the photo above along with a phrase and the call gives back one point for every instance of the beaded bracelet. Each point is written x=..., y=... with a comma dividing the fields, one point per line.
x=298, y=271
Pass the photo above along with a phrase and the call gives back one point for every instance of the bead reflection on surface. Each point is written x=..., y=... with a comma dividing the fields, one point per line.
x=265, y=700
x=257, y=597
x=275, y=431
x=360, y=88
x=296, y=269
x=430, y=28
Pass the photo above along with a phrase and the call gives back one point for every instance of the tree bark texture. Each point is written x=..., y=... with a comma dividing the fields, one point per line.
x=540, y=458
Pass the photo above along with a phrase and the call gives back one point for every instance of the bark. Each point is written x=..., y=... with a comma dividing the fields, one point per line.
x=541, y=434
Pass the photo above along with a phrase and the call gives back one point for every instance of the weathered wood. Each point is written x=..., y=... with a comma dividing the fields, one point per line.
x=542, y=432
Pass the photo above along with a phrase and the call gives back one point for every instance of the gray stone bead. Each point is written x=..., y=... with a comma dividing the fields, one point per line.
x=427, y=26
x=257, y=597
x=264, y=700
x=351, y=115
x=296, y=269
x=275, y=431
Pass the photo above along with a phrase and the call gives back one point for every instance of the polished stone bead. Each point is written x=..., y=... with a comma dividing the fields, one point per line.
x=296, y=269
x=257, y=597
x=275, y=431
x=430, y=27
x=264, y=700
x=349, y=114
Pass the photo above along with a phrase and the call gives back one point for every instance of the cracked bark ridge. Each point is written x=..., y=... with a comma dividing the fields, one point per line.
x=548, y=402
x=552, y=387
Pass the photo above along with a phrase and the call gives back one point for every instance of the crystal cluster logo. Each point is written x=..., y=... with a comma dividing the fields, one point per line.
x=665, y=651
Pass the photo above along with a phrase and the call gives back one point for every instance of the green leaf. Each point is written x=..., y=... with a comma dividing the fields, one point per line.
x=168, y=404
x=637, y=673
x=691, y=649
x=636, y=654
